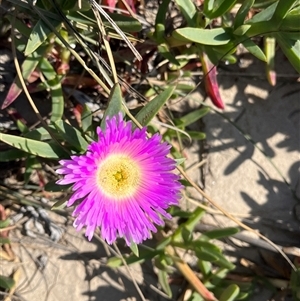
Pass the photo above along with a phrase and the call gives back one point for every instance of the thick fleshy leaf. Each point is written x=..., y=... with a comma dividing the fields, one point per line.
x=145, y=115
x=114, y=105
x=264, y=15
x=208, y=6
x=220, y=7
x=86, y=118
x=215, y=36
x=189, y=225
x=163, y=48
x=282, y=9
x=220, y=258
x=4, y=240
x=71, y=135
x=30, y=164
x=53, y=187
x=230, y=293
x=205, y=256
x=221, y=233
x=291, y=21
x=196, y=135
x=39, y=134
x=242, y=13
x=54, y=84
x=166, y=53
x=59, y=205
x=295, y=282
x=57, y=99
x=28, y=67
x=5, y=223
x=193, y=116
x=291, y=48
x=134, y=248
x=114, y=262
x=38, y=35
x=162, y=11
x=163, y=280
x=210, y=81
x=188, y=10
x=6, y=282
x=254, y=49
x=38, y=148
x=205, y=267
x=241, y=30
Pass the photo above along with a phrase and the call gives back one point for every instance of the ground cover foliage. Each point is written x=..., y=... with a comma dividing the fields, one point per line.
x=91, y=61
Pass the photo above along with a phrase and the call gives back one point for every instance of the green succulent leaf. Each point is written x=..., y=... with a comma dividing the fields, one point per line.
x=53, y=187
x=39, y=34
x=215, y=36
x=6, y=282
x=134, y=248
x=291, y=21
x=86, y=118
x=166, y=53
x=163, y=281
x=28, y=66
x=221, y=233
x=254, y=49
x=192, y=117
x=282, y=9
x=196, y=135
x=38, y=148
x=291, y=49
x=115, y=104
x=40, y=134
x=230, y=293
x=218, y=8
x=206, y=256
x=4, y=240
x=186, y=228
x=71, y=135
x=242, y=13
x=205, y=267
x=264, y=15
x=5, y=223
x=188, y=10
x=241, y=30
x=146, y=114
x=54, y=84
x=114, y=262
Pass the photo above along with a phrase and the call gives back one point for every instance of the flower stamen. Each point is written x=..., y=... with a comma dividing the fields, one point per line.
x=118, y=176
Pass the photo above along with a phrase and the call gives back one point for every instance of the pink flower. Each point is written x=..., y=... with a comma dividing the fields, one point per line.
x=112, y=4
x=123, y=184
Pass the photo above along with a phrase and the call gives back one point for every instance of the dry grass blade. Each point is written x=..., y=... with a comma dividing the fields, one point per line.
x=98, y=7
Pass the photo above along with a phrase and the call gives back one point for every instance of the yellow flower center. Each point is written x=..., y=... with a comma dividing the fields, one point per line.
x=118, y=176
